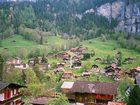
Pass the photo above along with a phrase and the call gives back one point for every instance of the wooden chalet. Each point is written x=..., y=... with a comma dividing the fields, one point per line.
x=86, y=74
x=16, y=63
x=98, y=59
x=76, y=64
x=114, y=72
x=10, y=94
x=58, y=55
x=67, y=75
x=77, y=50
x=60, y=65
x=31, y=62
x=95, y=69
x=66, y=57
x=109, y=71
x=94, y=66
x=59, y=68
x=92, y=93
x=76, y=58
x=133, y=72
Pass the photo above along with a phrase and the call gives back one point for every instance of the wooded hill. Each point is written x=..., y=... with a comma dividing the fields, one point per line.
x=61, y=17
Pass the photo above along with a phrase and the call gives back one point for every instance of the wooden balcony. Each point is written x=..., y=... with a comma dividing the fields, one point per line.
x=10, y=99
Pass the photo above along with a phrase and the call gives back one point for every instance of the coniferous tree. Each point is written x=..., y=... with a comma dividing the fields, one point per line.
x=119, y=58
x=134, y=98
x=1, y=68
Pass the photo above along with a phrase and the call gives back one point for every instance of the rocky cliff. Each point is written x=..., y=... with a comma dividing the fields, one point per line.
x=127, y=15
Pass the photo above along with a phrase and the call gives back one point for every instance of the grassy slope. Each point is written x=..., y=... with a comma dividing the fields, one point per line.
x=20, y=43
x=102, y=49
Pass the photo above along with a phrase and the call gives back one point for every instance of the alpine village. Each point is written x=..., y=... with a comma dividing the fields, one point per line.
x=69, y=52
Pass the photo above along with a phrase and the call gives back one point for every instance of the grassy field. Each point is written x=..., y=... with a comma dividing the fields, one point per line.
x=111, y=47
x=17, y=42
x=102, y=49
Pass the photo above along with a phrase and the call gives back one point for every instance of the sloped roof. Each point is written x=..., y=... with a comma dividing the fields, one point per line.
x=67, y=85
x=6, y=84
x=40, y=101
x=3, y=85
x=95, y=87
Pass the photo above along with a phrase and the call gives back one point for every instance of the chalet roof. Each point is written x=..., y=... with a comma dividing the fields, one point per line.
x=14, y=62
x=95, y=87
x=71, y=53
x=67, y=85
x=3, y=85
x=95, y=66
x=67, y=75
x=40, y=101
x=116, y=103
x=138, y=80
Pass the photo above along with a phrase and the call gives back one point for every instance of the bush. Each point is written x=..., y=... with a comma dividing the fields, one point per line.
x=62, y=100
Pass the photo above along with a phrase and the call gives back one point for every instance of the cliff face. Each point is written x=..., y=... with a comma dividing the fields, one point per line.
x=129, y=19
x=127, y=15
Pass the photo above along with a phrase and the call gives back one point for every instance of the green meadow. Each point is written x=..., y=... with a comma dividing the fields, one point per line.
x=102, y=49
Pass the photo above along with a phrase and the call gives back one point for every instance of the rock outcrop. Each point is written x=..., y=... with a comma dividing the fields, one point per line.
x=127, y=15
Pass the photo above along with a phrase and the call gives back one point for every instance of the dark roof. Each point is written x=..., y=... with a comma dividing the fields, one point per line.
x=95, y=87
x=137, y=80
x=3, y=85
x=6, y=84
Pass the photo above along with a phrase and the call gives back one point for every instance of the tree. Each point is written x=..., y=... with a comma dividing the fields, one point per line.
x=62, y=100
x=41, y=39
x=14, y=76
x=28, y=17
x=134, y=98
x=1, y=68
x=45, y=61
x=22, y=53
x=108, y=59
x=0, y=43
x=17, y=18
x=119, y=58
x=86, y=56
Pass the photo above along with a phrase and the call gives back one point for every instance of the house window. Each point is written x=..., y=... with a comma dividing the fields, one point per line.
x=14, y=92
x=1, y=96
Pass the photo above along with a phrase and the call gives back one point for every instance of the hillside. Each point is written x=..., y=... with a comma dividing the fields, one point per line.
x=111, y=47
x=102, y=49
x=73, y=17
